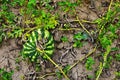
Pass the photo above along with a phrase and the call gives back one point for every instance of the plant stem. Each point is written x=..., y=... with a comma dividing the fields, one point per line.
x=55, y=64
x=110, y=5
x=83, y=26
x=42, y=77
x=91, y=22
x=101, y=66
x=83, y=58
x=69, y=29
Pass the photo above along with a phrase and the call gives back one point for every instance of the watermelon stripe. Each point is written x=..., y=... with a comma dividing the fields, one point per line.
x=29, y=47
x=49, y=43
x=42, y=33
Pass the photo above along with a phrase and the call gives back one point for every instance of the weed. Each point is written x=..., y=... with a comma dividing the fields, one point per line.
x=17, y=60
x=117, y=57
x=117, y=74
x=89, y=63
x=15, y=33
x=65, y=69
x=46, y=20
x=78, y=38
x=64, y=39
x=46, y=3
x=66, y=26
x=2, y=36
x=107, y=34
x=90, y=77
x=6, y=15
x=17, y=68
x=105, y=41
x=108, y=62
x=114, y=49
x=37, y=67
x=77, y=44
x=67, y=5
x=4, y=75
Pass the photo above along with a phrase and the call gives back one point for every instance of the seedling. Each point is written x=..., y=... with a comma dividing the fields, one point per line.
x=2, y=36
x=117, y=57
x=4, y=75
x=77, y=44
x=90, y=77
x=46, y=20
x=114, y=49
x=17, y=60
x=108, y=62
x=15, y=33
x=118, y=74
x=64, y=39
x=89, y=63
x=67, y=5
x=107, y=34
x=78, y=38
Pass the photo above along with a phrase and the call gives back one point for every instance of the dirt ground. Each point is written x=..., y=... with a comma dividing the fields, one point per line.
x=64, y=53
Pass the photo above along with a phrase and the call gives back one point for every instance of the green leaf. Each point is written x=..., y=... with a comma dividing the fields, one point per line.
x=31, y=3
x=66, y=69
x=6, y=75
x=89, y=63
x=117, y=56
x=15, y=33
x=105, y=42
x=114, y=49
x=64, y=39
x=77, y=44
x=78, y=36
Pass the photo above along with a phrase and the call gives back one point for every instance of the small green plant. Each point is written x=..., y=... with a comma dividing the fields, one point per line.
x=15, y=3
x=64, y=39
x=65, y=69
x=102, y=65
x=108, y=62
x=67, y=5
x=46, y=20
x=78, y=38
x=90, y=77
x=17, y=68
x=89, y=63
x=117, y=57
x=105, y=41
x=114, y=49
x=107, y=34
x=17, y=60
x=4, y=75
x=46, y=3
x=6, y=15
x=2, y=36
x=37, y=67
x=117, y=74
x=15, y=33
x=66, y=26
x=77, y=44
